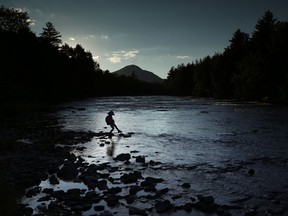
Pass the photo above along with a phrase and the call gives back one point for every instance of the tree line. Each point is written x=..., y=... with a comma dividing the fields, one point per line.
x=250, y=68
x=41, y=68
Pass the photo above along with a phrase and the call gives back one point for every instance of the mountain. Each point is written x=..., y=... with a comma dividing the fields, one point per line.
x=140, y=74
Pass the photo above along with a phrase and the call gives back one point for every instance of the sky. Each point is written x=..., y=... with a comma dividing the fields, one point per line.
x=152, y=34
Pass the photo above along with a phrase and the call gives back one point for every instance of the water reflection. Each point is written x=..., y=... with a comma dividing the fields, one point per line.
x=113, y=143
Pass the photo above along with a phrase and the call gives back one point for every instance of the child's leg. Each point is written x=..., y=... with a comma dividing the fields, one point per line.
x=112, y=126
x=117, y=128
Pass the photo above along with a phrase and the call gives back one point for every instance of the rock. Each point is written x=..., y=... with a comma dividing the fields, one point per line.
x=131, y=177
x=150, y=188
x=123, y=157
x=102, y=185
x=154, y=163
x=134, y=151
x=43, y=199
x=164, y=206
x=58, y=194
x=99, y=208
x=130, y=199
x=151, y=181
x=47, y=190
x=137, y=211
x=140, y=159
x=186, y=185
x=115, y=190
x=112, y=200
x=206, y=199
x=187, y=207
x=206, y=204
x=53, y=180
x=251, y=172
x=68, y=172
x=162, y=191
x=134, y=189
x=90, y=181
x=34, y=191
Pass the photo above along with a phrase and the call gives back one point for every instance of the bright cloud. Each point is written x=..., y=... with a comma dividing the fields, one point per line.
x=90, y=37
x=130, y=54
x=31, y=22
x=115, y=59
x=118, y=56
x=183, y=57
x=104, y=37
x=95, y=58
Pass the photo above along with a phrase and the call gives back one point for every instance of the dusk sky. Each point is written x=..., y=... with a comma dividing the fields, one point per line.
x=153, y=34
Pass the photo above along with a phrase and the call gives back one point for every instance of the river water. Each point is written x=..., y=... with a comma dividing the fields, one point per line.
x=210, y=144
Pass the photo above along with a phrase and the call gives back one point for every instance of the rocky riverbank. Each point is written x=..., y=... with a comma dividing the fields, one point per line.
x=35, y=149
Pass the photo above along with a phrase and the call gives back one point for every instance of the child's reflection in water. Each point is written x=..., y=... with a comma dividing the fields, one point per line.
x=111, y=147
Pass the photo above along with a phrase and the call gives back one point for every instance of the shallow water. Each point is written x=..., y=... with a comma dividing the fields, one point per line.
x=208, y=143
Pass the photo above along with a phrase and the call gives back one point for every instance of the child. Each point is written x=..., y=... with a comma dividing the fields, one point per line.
x=110, y=121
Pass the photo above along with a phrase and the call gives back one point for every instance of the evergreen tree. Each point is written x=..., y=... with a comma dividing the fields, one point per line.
x=51, y=36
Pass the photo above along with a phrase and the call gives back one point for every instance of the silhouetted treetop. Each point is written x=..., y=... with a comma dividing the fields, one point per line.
x=13, y=20
x=50, y=35
x=239, y=40
x=264, y=29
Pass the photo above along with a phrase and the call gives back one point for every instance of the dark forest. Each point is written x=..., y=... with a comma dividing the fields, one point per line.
x=42, y=68
x=250, y=69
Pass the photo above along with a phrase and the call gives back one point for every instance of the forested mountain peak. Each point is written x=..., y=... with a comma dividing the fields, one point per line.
x=143, y=75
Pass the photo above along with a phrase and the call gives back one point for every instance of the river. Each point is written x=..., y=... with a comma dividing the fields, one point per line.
x=235, y=152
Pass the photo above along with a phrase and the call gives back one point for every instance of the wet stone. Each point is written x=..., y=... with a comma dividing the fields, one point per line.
x=206, y=204
x=188, y=207
x=102, y=185
x=53, y=180
x=137, y=211
x=112, y=200
x=163, y=206
x=134, y=189
x=123, y=157
x=34, y=191
x=185, y=185
x=130, y=199
x=162, y=191
x=140, y=159
x=130, y=177
x=115, y=190
x=68, y=172
x=151, y=181
x=251, y=172
x=99, y=208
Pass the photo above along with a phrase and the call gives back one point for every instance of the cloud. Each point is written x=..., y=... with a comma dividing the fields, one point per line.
x=72, y=39
x=130, y=54
x=182, y=57
x=89, y=36
x=104, y=37
x=118, y=56
x=31, y=22
x=115, y=59
x=96, y=57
